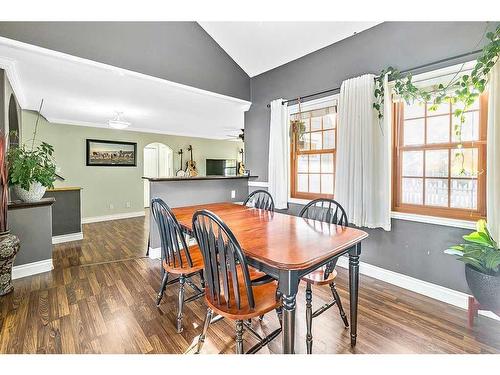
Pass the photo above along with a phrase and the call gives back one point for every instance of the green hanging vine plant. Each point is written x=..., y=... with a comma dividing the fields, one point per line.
x=461, y=91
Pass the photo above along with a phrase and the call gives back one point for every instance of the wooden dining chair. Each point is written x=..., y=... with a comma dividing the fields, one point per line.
x=178, y=259
x=260, y=199
x=331, y=212
x=233, y=290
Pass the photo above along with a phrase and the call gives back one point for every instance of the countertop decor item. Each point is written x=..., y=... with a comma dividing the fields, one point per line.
x=9, y=243
x=31, y=170
x=481, y=256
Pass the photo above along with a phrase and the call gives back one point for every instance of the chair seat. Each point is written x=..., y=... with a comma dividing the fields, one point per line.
x=196, y=258
x=264, y=297
x=316, y=277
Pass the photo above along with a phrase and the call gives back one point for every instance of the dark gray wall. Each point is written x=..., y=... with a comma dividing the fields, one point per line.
x=191, y=192
x=404, y=45
x=178, y=51
x=411, y=248
x=33, y=226
x=66, y=211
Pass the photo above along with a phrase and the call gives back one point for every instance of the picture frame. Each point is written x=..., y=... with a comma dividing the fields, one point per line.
x=105, y=153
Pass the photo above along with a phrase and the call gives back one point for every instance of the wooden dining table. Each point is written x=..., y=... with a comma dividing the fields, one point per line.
x=287, y=248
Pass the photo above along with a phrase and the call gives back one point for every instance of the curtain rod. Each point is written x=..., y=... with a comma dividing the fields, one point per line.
x=417, y=68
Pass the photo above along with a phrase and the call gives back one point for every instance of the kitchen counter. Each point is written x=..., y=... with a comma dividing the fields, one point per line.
x=197, y=178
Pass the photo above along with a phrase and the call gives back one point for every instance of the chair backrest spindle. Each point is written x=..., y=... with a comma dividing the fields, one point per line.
x=260, y=199
x=224, y=261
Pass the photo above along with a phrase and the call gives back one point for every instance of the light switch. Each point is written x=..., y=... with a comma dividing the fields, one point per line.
x=233, y=194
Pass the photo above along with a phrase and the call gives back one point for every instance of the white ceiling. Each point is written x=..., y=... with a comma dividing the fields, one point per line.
x=83, y=92
x=261, y=46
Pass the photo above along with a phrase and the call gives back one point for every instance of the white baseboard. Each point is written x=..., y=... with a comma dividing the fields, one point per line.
x=263, y=184
x=127, y=215
x=440, y=293
x=29, y=269
x=154, y=253
x=67, y=238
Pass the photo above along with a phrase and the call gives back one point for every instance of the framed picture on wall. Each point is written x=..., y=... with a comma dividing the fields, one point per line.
x=111, y=153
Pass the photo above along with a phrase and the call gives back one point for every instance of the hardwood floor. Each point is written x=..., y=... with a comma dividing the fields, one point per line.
x=100, y=298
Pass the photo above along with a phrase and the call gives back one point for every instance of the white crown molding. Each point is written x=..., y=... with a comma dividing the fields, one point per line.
x=425, y=288
x=10, y=67
x=60, y=55
x=67, y=238
x=126, y=215
x=455, y=223
x=34, y=268
x=132, y=129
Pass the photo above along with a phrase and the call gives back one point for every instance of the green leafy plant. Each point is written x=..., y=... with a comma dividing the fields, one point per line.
x=461, y=91
x=33, y=164
x=480, y=250
x=27, y=166
x=298, y=127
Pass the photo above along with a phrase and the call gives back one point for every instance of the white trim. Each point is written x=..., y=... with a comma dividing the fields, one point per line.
x=10, y=67
x=67, y=238
x=425, y=288
x=299, y=200
x=16, y=44
x=455, y=223
x=309, y=105
x=258, y=183
x=154, y=253
x=126, y=215
x=34, y=268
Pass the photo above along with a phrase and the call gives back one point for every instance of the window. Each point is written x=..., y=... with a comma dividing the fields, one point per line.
x=313, y=155
x=431, y=176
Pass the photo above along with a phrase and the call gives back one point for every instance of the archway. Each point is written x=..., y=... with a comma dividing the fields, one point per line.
x=158, y=162
x=13, y=126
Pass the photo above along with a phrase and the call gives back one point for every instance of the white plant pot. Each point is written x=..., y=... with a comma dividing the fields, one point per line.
x=34, y=194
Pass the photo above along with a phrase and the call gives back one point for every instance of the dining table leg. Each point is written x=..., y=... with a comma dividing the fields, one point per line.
x=353, y=289
x=288, y=287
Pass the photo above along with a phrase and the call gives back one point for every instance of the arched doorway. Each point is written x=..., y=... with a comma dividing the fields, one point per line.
x=13, y=122
x=158, y=162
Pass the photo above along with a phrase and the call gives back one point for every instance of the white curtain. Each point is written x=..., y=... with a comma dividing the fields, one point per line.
x=278, y=154
x=363, y=176
x=493, y=154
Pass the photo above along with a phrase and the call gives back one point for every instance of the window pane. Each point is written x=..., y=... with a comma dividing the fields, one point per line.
x=327, y=163
x=413, y=163
x=316, y=123
x=327, y=183
x=463, y=194
x=436, y=163
x=413, y=132
x=329, y=121
x=314, y=161
x=314, y=183
x=440, y=110
x=416, y=109
x=305, y=142
x=436, y=192
x=470, y=128
x=329, y=139
x=316, y=141
x=302, y=182
x=302, y=164
x=464, y=162
x=438, y=129
x=412, y=191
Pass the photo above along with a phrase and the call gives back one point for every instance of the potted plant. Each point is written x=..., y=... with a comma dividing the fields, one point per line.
x=9, y=243
x=31, y=169
x=481, y=256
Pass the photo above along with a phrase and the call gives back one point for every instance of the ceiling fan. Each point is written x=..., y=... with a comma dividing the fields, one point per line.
x=239, y=136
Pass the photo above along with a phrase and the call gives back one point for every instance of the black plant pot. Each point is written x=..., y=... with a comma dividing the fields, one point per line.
x=485, y=288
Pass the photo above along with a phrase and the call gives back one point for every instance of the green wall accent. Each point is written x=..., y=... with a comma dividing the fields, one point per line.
x=103, y=186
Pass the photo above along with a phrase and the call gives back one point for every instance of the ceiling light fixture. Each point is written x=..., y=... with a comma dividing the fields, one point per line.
x=116, y=123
